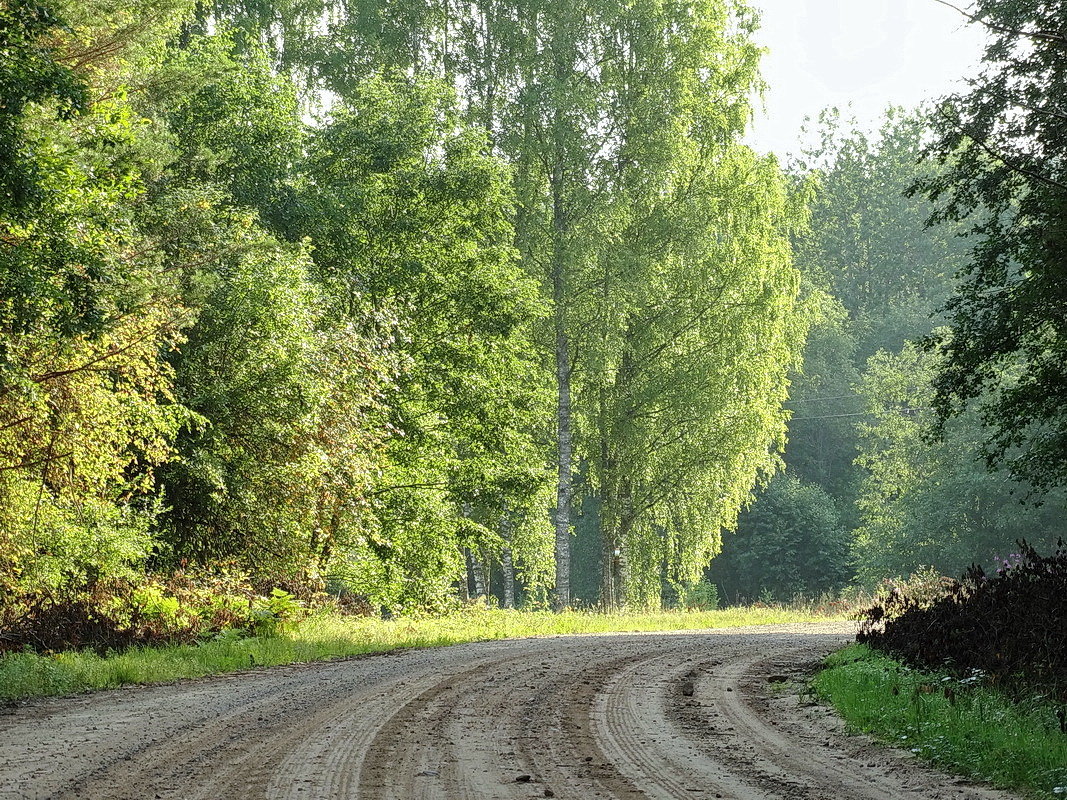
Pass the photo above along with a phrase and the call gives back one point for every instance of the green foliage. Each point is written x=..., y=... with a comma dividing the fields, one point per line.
x=981, y=733
x=1002, y=145
x=702, y=595
x=395, y=171
x=872, y=277
x=237, y=125
x=108, y=613
x=876, y=276
x=275, y=613
x=823, y=403
x=86, y=401
x=31, y=75
x=792, y=542
x=312, y=336
x=934, y=503
x=868, y=244
x=691, y=368
x=249, y=371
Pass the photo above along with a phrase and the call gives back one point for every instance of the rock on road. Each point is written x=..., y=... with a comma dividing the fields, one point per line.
x=696, y=714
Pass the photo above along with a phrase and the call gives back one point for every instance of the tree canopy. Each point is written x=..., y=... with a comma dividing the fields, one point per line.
x=368, y=298
x=1003, y=144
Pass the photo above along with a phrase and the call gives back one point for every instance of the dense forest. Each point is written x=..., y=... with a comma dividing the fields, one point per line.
x=431, y=301
x=870, y=489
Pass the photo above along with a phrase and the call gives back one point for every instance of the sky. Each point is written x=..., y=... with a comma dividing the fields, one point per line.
x=867, y=53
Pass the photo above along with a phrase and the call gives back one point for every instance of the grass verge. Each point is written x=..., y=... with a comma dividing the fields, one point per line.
x=978, y=732
x=324, y=636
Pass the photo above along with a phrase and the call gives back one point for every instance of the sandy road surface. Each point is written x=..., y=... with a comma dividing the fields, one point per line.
x=667, y=715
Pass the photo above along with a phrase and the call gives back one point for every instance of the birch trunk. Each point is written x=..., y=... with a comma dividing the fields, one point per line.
x=465, y=589
x=477, y=570
x=564, y=488
x=607, y=573
x=507, y=564
x=564, y=436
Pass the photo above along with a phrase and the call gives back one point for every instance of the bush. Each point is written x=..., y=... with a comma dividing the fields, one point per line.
x=117, y=613
x=1010, y=627
x=703, y=596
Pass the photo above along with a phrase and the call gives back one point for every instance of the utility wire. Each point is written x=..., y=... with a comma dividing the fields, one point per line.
x=817, y=399
x=831, y=416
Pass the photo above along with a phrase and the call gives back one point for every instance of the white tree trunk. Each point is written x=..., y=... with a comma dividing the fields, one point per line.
x=507, y=563
x=477, y=570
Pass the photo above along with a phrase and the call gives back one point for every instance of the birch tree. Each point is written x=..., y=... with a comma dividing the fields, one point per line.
x=657, y=240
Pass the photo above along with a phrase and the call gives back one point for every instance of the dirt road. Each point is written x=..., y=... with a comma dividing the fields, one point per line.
x=668, y=715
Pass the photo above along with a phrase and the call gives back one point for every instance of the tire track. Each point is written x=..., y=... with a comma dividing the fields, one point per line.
x=635, y=725
x=560, y=742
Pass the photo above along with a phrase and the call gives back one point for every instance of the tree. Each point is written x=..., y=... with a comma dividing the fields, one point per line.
x=867, y=244
x=1003, y=145
x=248, y=371
x=928, y=504
x=412, y=227
x=237, y=124
x=873, y=278
x=87, y=410
x=691, y=381
x=620, y=131
x=792, y=542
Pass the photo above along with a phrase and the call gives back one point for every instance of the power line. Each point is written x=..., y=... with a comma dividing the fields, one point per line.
x=831, y=416
x=817, y=399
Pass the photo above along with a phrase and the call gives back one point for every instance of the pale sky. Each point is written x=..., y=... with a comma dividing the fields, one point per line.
x=870, y=53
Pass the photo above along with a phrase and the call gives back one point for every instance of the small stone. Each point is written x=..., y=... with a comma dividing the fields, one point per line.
x=687, y=688
x=549, y=793
x=523, y=779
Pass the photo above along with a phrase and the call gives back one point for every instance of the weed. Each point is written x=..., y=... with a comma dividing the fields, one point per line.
x=317, y=636
x=957, y=723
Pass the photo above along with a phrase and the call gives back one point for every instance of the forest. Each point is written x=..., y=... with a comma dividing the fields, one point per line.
x=420, y=303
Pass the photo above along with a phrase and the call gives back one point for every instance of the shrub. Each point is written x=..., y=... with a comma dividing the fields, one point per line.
x=270, y=614
x=1010, y=627
x=117, y=613
x=703, y=596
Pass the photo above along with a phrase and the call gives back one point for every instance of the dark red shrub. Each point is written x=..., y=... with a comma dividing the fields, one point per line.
x=1010, y=626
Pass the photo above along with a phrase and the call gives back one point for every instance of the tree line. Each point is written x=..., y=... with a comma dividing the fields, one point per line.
x=374, y=295
x=929, y=416
x=396, y=298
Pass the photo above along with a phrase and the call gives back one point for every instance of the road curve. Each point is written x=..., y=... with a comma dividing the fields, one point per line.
x=696, y=714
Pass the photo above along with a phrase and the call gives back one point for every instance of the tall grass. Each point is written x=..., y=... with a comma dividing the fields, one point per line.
x=324, y=636
x=975, y=731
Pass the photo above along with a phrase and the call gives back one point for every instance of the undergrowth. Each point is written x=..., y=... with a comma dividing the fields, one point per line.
x=331, y=635
x=957, y=723
x=1010, y=626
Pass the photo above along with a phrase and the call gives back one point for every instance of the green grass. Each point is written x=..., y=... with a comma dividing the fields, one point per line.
x=977, y=732
x=326, y=636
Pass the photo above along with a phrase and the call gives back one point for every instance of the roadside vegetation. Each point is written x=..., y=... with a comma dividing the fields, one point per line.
x=960, y=724
x=435, y=304
x=970, y=674
x=296, y=637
